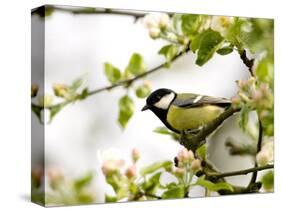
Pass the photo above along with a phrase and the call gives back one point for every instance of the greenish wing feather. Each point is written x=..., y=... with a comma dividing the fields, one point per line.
x=188, y=100
x=184, y=99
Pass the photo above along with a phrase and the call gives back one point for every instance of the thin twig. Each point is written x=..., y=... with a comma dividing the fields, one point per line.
x=152, y=195
x=118, y=84
x=240, y=172
x=100, y=11
x=248, y=62
x=93, y=11
x=259, y=144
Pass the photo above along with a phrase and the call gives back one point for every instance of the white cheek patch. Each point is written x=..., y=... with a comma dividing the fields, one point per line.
x=165, y=101
x=197, y=99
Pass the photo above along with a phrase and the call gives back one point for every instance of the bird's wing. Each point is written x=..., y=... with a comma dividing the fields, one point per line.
x=194, y=100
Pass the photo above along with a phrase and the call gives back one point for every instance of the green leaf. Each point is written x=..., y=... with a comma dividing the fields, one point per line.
x=162, y=130
x=176, y=191
x=253, y=34
x=37, y=111
x=234, y=32
x=169, y=52
x=114, y=181
x=176, y=21
x=171, y=185
x=214, y=186
x=136, y=65
x=112, y=73
x=265, y=70
x=225, y=50
x=166, y=131
x=196, y=42
x=244, y=118
x=85, y=197
x=126, y=110
x=84, y=94
x=143, y=90
x=268, y=180
x=152, y=183
x=54, y=110
x=76, y=84
x=209, y=44
x=190, y=24
x=133, y=188
x=201, y=152
x=155, y=166
x=109, y=198
x=83, y=181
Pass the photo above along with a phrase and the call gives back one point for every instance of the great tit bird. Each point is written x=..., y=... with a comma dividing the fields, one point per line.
x=184, y=112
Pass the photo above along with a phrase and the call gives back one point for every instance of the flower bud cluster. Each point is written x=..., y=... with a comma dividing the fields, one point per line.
x=185, y=158
x=111, y=167
x=256, y=96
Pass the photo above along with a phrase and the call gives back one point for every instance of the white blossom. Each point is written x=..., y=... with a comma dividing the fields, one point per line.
x=151, y=21
x=111, y=166
x=164, y=20
x=154, y=22
x=154, y=32
x=221, y=23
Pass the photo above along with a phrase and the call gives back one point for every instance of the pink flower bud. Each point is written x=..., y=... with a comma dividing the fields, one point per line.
x=185, y=155
x=236, y=101
x=196, y=165
x=264, y=87
x=135, y=154
x=111, y=166
x=179, y=171
x=242, y=83
x=257, y=95
x=131, y=172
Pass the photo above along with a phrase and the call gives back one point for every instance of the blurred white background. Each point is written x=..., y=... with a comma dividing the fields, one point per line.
x=81, y=134
x=15, y=113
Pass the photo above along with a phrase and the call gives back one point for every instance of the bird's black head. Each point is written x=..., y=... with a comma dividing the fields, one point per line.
x=160, y=99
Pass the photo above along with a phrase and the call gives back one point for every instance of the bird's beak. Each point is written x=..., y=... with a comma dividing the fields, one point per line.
x=145, y=108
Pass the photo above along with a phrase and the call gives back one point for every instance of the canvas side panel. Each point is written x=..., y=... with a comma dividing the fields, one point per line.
x=37, y=126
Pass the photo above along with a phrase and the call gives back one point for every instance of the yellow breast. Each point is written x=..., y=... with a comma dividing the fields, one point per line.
x=181, y=118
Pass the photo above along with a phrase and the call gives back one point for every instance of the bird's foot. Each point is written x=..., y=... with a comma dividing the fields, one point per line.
x=191, y=131
x=182, y=137
x=186, y=134
x=186, y=139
